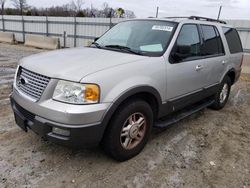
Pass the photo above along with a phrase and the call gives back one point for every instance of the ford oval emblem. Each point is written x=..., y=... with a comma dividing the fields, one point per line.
x=23, y=81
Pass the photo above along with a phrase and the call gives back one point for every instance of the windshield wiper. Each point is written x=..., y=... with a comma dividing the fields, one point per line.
x=124, y=48
x=96, y=44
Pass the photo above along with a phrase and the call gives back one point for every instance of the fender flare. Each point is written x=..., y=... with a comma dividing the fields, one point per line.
x=227, y=72
x=125, y=95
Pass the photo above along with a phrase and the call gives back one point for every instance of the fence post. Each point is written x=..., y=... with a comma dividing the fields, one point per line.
x=110, y=22
x=75, y=27
x=64, y=39
x=47, y=26
x=110, y=19
x=23, y=29
x=3, y=23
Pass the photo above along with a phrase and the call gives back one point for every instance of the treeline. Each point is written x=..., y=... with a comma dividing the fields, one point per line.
x=73, y=8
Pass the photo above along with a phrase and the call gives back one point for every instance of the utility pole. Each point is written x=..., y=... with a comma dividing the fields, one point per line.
x=157, y=12
x=219, y=13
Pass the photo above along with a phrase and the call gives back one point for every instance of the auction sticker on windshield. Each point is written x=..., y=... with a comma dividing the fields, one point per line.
x=162, y=28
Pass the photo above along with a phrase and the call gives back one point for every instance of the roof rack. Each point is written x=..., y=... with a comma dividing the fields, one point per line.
x=172, y=17
x=206, y=19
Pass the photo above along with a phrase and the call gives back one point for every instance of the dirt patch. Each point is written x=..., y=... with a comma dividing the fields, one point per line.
x=9, y=57
x=208, y=149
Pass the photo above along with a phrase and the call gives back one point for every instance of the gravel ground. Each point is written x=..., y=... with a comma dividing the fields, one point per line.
x=208, y=149
x=9, y=56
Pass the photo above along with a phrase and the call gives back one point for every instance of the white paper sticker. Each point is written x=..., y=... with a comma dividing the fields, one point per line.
x=162, y=28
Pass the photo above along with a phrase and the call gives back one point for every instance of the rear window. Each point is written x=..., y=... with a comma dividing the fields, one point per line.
x=212, y=42
x=233, y=40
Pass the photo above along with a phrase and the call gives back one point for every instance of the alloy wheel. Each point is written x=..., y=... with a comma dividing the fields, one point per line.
x=133, y=131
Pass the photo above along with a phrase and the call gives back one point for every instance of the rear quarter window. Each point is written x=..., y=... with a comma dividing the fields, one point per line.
x=233, y=40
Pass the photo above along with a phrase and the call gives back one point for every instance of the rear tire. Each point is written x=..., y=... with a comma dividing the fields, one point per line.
x=222, y=95
x=129, y=130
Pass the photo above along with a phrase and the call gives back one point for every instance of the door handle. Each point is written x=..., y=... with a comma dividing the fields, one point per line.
x=198, y=67
x=224, y=62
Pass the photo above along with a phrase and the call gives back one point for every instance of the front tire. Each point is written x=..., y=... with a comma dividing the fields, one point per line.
x=129, y=130
x=222, y=95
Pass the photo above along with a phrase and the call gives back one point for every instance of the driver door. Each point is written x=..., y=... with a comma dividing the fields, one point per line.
x=186, y=72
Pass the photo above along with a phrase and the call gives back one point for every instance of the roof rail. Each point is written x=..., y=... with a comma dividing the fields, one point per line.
x=206, y=19
x=177, y=17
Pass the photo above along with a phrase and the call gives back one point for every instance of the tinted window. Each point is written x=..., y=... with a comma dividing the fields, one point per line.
x=220, y=44
x=187, y=45
x=212, y=42
x=233, y=40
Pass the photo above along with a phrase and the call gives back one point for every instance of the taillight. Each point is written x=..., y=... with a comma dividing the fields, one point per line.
x=242, y=59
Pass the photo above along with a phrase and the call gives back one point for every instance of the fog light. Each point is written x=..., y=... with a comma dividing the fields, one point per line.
x=59, y=131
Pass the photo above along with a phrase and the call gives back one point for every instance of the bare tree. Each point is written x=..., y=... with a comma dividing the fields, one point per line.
x=21, y=5
x=129, y=14
x=77, y=5
x=72, y=9
x=2, y=3
x=106, y=10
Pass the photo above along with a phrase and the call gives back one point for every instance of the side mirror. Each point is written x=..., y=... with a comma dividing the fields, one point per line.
x=96, y=39
x=184, y=49
x=180, y=53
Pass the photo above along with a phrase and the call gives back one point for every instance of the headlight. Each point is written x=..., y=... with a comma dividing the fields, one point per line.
x=76, y=93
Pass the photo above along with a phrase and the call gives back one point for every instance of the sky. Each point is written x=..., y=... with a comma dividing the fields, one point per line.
x=232, y=9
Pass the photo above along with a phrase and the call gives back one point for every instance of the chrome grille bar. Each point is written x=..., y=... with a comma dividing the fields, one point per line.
x=31, y=84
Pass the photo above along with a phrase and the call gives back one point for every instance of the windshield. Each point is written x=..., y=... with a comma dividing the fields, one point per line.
x=144, y=37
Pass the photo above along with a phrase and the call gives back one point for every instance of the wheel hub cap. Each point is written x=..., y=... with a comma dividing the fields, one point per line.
x=224, y=93
x=133, y=131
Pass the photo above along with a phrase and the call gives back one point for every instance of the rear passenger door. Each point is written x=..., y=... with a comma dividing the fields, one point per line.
x=212, y=51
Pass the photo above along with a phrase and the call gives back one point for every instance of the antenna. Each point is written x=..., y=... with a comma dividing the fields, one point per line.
x=157, y=12
x=219, y=13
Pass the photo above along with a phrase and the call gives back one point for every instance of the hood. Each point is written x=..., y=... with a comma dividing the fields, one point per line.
x=76, y=63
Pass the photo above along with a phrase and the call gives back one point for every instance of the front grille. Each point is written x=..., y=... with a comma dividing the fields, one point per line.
x=28, y=115
x=31, y=84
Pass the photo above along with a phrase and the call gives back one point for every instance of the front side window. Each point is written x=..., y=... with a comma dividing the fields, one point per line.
x=212, y=42
x=233, y=40
x=147, y=37
x=187, y=46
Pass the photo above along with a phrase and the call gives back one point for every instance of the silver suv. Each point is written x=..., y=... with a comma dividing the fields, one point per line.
x=141, y=74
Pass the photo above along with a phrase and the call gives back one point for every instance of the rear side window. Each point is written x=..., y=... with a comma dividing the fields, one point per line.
x=212, y=41
x=233, y=40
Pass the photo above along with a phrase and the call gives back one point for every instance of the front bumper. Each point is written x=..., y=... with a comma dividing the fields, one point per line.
x=80, y=136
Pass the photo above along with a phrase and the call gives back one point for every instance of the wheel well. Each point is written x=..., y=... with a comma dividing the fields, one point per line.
x=148, y=97
x=231, y=75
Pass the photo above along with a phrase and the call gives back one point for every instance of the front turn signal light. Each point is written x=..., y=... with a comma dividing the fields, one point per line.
x=92, y=93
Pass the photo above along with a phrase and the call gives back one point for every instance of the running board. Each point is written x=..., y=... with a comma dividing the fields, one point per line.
x=171, y=119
